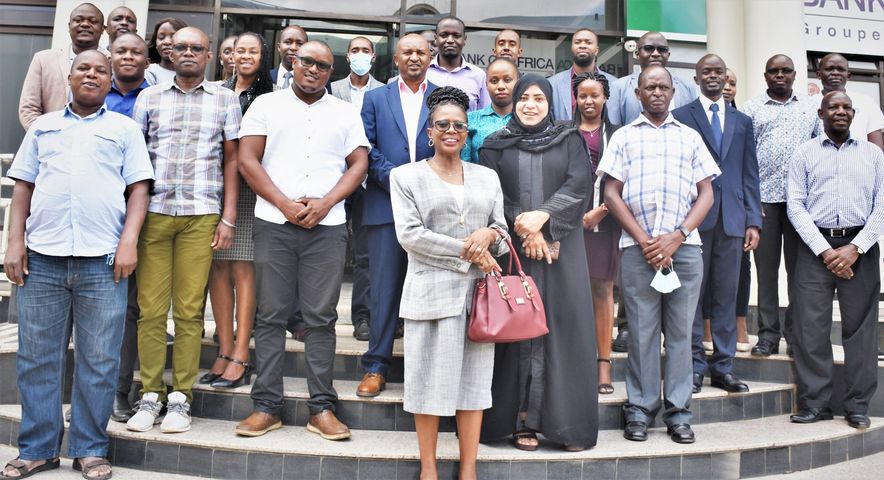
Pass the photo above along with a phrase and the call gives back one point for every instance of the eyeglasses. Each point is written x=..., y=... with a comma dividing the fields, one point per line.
x=445, y=125
x=663, y=49
x=780, y=71
x=196, y=49
x=309, y=62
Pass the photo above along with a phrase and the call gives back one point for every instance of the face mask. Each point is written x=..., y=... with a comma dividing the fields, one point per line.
x=360, y=63
x=665, y=281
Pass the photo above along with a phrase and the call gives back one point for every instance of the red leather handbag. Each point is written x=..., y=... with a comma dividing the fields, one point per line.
x=507, y=308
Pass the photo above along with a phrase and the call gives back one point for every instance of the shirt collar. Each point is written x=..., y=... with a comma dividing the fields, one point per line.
x=643, y=119
x=323, y=99
x=769, y=100
x=281, y=70
x=403, y=88
x=825, y=140
x=354, y=87
x=144, y=84
x=68, y=111
x=489, y=112
x=206, y=85
x=464, y=65
x=707, y=102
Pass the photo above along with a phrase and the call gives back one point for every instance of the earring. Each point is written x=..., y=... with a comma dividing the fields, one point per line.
x=430, y=143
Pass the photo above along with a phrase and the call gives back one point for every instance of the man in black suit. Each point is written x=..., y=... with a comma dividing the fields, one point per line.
x=733, y=223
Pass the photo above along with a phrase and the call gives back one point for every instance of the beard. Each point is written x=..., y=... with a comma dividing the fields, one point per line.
x=584, y=61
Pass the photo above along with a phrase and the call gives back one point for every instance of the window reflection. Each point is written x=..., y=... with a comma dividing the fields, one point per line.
x=373, y=8
x=537, y=13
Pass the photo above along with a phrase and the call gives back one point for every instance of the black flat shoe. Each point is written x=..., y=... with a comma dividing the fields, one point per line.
x=765, y=348
x=636, y=431
x=122, y=411
x=812, y=415
x=361, y=331
x=244, y=379
x=698, y=383
x=621, y=343
x=681, y=433
x=729, y=383
x=858, y=420
x=210, y=377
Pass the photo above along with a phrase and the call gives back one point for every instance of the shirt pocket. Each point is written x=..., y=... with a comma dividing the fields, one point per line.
x=108, y=150
x=52, y=143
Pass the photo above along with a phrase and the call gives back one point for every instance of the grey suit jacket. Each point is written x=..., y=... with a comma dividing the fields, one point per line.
x=428, y=226
x=46, y=87
x=341, y=88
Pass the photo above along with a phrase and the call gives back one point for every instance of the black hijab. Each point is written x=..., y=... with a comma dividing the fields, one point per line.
x=535, y=138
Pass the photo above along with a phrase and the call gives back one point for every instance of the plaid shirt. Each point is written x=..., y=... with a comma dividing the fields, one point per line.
x=185, y=132
x=779, y=129
x=659, y=168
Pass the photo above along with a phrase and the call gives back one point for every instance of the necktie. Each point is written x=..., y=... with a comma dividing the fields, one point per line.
x=716, y=128
x=288, y=80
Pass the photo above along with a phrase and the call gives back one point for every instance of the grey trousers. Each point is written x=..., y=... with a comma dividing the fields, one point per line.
x=858, y=301
x=649, y=313
x=777, y=235
x=291, y=259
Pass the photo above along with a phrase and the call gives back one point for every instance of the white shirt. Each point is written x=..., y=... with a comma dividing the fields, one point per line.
x=411, y=111
x=306, y=148
x=356, y=94
x=867, y=117
x=707, y=104
x=280, y=76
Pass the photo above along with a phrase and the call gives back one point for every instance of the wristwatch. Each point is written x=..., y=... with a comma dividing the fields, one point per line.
x=859, y=251
x=684, y=231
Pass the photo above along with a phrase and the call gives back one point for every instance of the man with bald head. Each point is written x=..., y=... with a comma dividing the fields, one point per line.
x=290, y=40
x=584, y=51
x=623, y=105
x=120, y=20
x=836, y=202
x=303, y=151
x=396, y=122
x=782, y=119
x=868, y=120
x=732, y=224
x=84, y=210
x=46, y=87
x=659, y=189
x=186, y=121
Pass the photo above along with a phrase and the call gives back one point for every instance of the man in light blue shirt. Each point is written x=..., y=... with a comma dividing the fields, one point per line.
x=623, y=105
x=82, y=176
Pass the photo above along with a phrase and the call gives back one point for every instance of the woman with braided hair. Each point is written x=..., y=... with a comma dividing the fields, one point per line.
x=445, y=211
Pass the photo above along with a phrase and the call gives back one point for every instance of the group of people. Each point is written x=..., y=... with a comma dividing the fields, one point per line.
x=250, y=187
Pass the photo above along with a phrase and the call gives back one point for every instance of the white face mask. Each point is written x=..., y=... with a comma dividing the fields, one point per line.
x=360, y=63
x=665, y=281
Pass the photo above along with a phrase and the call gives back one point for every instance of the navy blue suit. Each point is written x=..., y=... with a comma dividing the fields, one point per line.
x=385, y=128
x=736, y=207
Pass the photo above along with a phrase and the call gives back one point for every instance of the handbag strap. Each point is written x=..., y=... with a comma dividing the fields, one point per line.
x=514, y=257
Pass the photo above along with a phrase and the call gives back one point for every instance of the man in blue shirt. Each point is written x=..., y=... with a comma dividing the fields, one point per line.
x=83, y=222
x=128, y=62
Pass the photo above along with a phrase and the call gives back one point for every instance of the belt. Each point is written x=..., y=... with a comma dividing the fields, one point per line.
x=840, y=232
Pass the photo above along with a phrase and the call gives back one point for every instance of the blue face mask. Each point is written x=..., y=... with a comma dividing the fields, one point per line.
x=360, y=63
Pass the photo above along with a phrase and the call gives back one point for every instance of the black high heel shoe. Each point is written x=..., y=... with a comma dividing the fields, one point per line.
x=244, y=379
x=210, y=377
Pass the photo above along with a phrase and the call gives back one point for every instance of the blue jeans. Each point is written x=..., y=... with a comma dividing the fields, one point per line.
x=61, y=293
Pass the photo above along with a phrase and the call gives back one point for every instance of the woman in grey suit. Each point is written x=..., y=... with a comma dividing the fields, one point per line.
x=449, y=239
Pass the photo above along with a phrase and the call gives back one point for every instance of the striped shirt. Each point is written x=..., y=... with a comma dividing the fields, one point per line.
x=185, y=132
x=660, y=168
x=833, y=187
x=779, y=129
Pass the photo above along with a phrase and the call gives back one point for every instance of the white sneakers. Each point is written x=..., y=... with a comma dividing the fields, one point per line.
x=177, y=414
x=149, y=409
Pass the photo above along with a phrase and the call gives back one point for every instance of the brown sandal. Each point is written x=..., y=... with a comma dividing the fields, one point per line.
x=521, y=435
x=87, y=469
x=25, y=472
x=606, y=388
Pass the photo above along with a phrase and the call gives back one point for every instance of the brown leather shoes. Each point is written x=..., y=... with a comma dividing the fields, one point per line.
x=327, y=425
x=258, y=424
x=372, y=385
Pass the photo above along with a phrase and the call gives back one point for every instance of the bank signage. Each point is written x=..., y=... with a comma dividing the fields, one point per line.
x=845, y=26
x=538, y=56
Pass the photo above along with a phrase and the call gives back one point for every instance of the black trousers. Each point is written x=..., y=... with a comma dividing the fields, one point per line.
x=297, y=265
x=129, y=349
x=858, y=302
x=359, y=311
x=777, y=234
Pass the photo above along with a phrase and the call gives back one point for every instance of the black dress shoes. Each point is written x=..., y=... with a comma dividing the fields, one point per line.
x=122, y=411
x=360, y=330
x=729, y=382
x=681, y=433
x=765, y=348
x=698, y=383
x=620, y=344
x=858, y=420
x=636, y=431
x=812, y=415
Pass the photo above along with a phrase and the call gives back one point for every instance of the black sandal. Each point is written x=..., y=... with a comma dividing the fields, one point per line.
x=606, y=388
x=525, y=434
x=87, y=469
x=210, y=377
x=25, y=472
x=244, y=379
